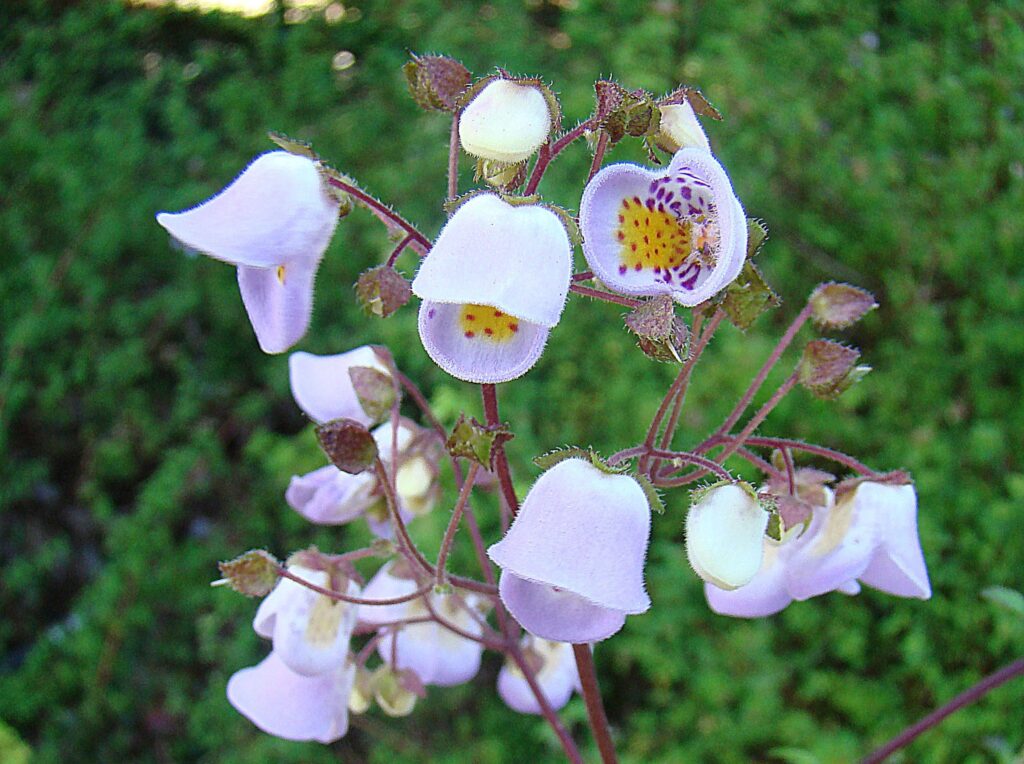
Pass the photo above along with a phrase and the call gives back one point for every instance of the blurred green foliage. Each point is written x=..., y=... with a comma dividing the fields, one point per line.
x=144, y=436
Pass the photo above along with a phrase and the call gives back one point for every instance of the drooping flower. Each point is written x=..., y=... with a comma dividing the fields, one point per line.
x=680, y=129
x=493, y=286
x=322, y=387
x=725, y=535
x=289, y=705
x=555, y=670
x=328, y=496
x=869, y=536
x=680, y=231
x=310, y=631
x=572, y=561
x=436, y=654
x=274, y=222
x=506, y=122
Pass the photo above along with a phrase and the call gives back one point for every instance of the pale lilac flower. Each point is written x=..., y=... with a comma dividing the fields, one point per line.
x=680, y=231
x=290, y=705
x=436, y=654
x=274, y=222
x=310, y=631
x=493, y=286
x=572, y=561
x=869, y=536
x=322, y=387
x=725, y=535
x=328, y=496
x=506, y=122
x=555, y=670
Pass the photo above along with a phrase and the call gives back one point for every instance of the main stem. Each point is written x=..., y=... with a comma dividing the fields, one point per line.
x=595, y=708
x=490, y=398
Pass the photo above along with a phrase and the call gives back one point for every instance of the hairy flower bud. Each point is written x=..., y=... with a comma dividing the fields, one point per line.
x=725, y=535
x=506, y=121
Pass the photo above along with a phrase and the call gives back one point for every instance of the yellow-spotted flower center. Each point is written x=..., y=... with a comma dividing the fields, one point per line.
x=671, y=230
x=487, y=323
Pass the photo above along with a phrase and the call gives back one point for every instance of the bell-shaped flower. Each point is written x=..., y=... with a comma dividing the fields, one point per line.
x=506, y=122
x=725, y=535
x=322, y=387
x=289, y=705
x=680, y=231
x=274, y=222
x=572, y=561
x=436, y=654
x=493, y=286
x=680, y=129
x=310, y=631
x=328, y=496
x=554, y=667
x=869, y=536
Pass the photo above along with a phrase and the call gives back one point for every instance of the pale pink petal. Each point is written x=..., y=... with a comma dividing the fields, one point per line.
x=385, y=586
x=898, y=565
x=322, y=387
x=851, y=588
x=436, y=654
x=517, y=259
x=557, y=614
x=765, y=595
x=476, y=357
x=631, y=221
x=279, y=302
x=557, y=677
x=275, y=212
x=583, y=531
x=292, y=706
x=328, y=496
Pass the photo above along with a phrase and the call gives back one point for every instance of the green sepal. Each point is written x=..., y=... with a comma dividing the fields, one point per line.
x=757, y=235
x=475, y=441
x=382, y=290
x=294, y=145
x=374, y=389
x=660, y=333
x=436, y=83
x=348, y=444
x=748, y=297
x=828, y=368
x=558, y=455
x=654, y=500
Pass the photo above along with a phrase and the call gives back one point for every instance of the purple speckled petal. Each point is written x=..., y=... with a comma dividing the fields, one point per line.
x=275, y=212
x=477, y=358
x=292, y=706
x=279, y=302
x=898, y=565
x=555, y=614
x=583, y=531
x=322, y=387
x=557, y=677
x=517, y=258
x=328, y=496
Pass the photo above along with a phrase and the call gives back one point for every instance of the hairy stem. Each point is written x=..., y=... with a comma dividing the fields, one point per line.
x=420, y=242
x=453, y=158
x=550, y=150
x=453, y=523
x=599, y=294
x=595, y=708
x=490, y=398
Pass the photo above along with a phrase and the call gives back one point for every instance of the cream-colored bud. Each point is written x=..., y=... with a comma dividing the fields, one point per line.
x=725, y=536
x=506, y=122
x=680, y=129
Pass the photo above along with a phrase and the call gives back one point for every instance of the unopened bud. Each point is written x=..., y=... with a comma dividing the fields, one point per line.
x=836, y=306
x=507, y=121
x=828, y=368
x=253, y=574
x=725, y=535
x=679, y=129
x=436, y=82
x=382, y=290
x=348, y=444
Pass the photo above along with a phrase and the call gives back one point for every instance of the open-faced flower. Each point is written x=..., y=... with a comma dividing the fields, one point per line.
x=725, y=535
x=679, y=231
x=274, y=222
x=505, y=122
x=328, y=496
x=293, y=706
x=323, y=388
x=310, y=631
x=493, y=286
x=554, y=667
x=680, y=129
x=573, y=560
x=436, y=654
x=869, y=536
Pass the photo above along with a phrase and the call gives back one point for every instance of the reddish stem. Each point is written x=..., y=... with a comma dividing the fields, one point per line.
x=453, y=158
x=453, y=523
x=490, y=398
x=384, y=212
x=595, y=708
x=550, y=150
x=599, y=149
x=599, y=294
x=285, y=573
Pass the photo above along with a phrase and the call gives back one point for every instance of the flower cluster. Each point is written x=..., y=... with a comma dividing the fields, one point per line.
x=493, y=285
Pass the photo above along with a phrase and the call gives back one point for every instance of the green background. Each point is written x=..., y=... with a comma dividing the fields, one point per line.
x=143, y=436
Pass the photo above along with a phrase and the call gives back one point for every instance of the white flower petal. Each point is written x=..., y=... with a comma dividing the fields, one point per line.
x=505, y=122
x=725, y=536
x=322, y=387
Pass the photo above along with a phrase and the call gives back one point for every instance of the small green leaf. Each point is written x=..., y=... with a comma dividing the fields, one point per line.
x=475, y=441
x=748, y=297
x=382, y=290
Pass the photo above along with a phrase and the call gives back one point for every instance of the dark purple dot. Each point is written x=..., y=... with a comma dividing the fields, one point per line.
x=693, y=210
x=622, y=269
x=430, y=313
x=687, y=192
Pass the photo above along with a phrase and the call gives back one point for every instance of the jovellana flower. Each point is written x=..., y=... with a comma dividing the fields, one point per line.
x=437, y=655
x=725, y=535
x=869, y=535
x=680, y=231
x=555, y=669
x=572, y=561
x=506, y=121
x=274, y=222
x=322, y=387
x=680, y=129
x=493, y=286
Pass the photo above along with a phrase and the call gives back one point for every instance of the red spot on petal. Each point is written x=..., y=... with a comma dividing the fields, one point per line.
x=498, y=314
x=633, y=247
x=636, y=200
x=470, y=317
x=513, y=327
x=638, y=267
x=470, y=335
x=488, y=331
